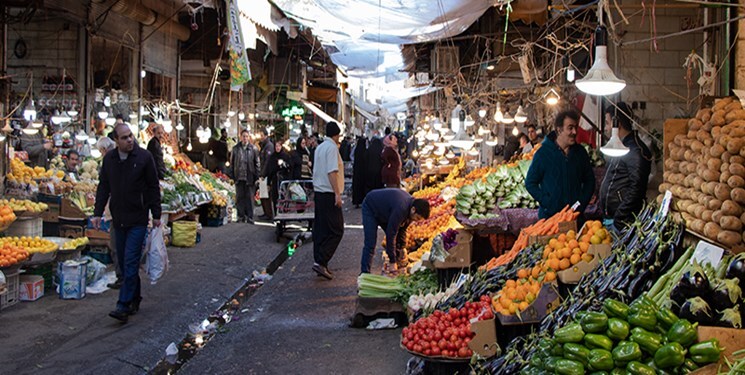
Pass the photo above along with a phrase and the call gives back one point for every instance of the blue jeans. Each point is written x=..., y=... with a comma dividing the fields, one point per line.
x=370, y=230
x=129, y=242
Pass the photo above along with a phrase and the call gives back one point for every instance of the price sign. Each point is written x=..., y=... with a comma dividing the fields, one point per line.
x=707, y=253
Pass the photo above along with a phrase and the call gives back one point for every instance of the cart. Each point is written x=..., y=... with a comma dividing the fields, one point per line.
x=295, y=203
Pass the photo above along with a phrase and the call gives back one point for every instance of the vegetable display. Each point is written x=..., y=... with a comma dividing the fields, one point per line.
x=705, y=173
x=506, y=183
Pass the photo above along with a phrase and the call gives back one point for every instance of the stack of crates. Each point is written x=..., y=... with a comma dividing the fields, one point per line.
x=214, y=216
x=11, y=296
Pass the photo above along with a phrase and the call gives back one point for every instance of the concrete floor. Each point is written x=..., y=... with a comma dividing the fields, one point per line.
x=295, y=324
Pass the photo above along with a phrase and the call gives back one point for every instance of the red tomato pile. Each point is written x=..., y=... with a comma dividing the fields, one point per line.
x=446, y=334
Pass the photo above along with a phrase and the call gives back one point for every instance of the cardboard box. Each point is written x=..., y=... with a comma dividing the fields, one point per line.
x=69, y=210
x=564, y=226
x=52, y=214
x=731, y=339
x=71, y=231
x=573, y=274
x=460, y=254
x=31, y=287
x=485, y=341
x=548, y=300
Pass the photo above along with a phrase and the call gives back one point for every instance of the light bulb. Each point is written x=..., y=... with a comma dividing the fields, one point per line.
x=30, y=131
x=29, y=113
x=110, y=121
x=508, y=119
x=96, y=153
x=143, y=73
x=498, y=116
x=210, y=152
x=492, y=142
x=204, y=140
x=570, y=74
x=473, y=152
x=180, y=126
x=103, y=115
x=515, y=132
x=552, y=97
x=37, y=124
x=271, y=107
x=81, y=136
x=415, y=153
x=188, y=147
x=2, y=137
x=72, y=113
x=167, y=127
x=107, y=101
x=226, y=124
x=231, y=113
x=241, y=116
x=520, y=115
x=227, y=163
x=200, y=131
x=482, y=113
x=132, y=115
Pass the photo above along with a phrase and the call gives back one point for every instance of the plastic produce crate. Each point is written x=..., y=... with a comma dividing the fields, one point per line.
x=11, y=297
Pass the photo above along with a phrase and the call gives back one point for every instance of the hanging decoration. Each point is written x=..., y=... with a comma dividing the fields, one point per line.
x=240, y=71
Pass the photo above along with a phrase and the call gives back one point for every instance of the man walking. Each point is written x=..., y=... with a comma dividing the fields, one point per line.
x=266, y=150
x=155, y=149
x=393, y=210
x=129, y=182
x=245, y=162
x=328, y=184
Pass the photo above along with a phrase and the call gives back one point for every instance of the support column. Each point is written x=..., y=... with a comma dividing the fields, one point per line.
x=740, y=50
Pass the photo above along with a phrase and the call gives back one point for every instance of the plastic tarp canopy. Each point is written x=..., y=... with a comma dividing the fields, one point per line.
x=368, y=33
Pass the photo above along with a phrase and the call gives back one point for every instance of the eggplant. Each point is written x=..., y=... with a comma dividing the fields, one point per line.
x=696, y=310
x=678, y=295
x=730, y=318
x=726, y=294
x=694, y=282
x=736, y=269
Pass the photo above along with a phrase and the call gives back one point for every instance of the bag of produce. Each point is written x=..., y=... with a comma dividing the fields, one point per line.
x=184, y=233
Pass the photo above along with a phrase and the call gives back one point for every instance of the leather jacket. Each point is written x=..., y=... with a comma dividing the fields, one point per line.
x=624, y=187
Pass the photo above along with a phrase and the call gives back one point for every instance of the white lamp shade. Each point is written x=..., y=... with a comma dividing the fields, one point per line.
x=520, y=115
x=508, y=119
x=482, y=113
x=110, y=121
x=103, y=115
x=188, y=147
x=180, y=126
x=498, y=115
x=492, y=142
x=600, y=79
x=614, y=147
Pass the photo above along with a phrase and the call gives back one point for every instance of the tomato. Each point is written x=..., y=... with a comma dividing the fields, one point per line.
x=463, y=352
x=427, y=352
x=438, y=335
x=436, y=351
x=425, y=345
x=410, y=346
x=442, y=344
x=446, y=353
x=405, y=341
x=487, y=315
x=417, y=348
x=453, y=338
x=463, y=333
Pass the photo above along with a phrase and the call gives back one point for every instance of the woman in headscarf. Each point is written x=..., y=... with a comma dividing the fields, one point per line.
x=391, y=171
x=302, y=168
x=359, y=172
x=277, y=170
x=374, y=165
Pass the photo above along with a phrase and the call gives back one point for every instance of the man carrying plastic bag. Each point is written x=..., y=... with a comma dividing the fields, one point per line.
x=156, y=263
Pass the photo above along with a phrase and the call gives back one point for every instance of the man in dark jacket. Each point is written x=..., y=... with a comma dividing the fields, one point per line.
x=393, y=210
x=129, y=182
x=155, y=149
x=561, y=171
x=267, y=148
x=246, y=167
x=624, y=188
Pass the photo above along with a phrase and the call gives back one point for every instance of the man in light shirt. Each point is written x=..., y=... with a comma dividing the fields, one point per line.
x=328, y=184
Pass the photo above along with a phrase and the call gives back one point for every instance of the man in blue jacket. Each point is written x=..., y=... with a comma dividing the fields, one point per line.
x=129, y=178
x=561, y=172
x=393, y=210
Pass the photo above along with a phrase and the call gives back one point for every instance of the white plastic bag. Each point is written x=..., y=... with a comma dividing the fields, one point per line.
x=297, y=193
x=156, y=264
x=263, y=188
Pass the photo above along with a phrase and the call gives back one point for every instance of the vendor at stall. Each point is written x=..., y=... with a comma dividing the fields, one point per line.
x=38, y=148
x=72, y=163
x=624, y=188
x=561, y=172
x=154, y=146
x=393, y=210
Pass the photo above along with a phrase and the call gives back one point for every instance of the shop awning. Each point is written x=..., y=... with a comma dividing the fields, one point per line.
x=317, y=111
x=369, y=116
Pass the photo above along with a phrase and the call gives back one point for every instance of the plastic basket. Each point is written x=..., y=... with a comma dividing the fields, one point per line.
x=11, y=297
x=26, y=226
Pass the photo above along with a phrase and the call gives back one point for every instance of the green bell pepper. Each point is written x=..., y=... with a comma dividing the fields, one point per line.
x=666, y=318
x=569, y=367
x=530, y=370
x=638, y=368
x=683, y=332
x=660, y=371
x=705, y=352
x=625, y=352
x=569, y=333
x=616, y=308
x=642, y=301
x=594, y=322
x=576, y=352
x=690, y=365
x=670, y=355
x=601, y=359
x=549, y=364
x=619, y=371
x=557, y=351
x=599, y=373
x=643, y=317
x=617, y=329
x=595, y=341
x=536, y=362
x=649, y=342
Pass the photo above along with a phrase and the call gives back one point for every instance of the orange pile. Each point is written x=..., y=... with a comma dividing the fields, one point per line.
x=518, y=294
x=426, y=193
x=566, y=250
x=7, y=216
x=439, y=217
x=10, y=255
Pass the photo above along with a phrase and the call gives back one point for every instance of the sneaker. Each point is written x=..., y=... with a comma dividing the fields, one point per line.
x=250, y=221
x=116, y=284
x=120, y=315
x=134, y=306
x=322, y=271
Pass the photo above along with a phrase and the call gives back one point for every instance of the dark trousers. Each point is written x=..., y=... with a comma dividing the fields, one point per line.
x=114, y=257
x=129, y=241
x=370, y=230
x=244, y=199
x=328, y=227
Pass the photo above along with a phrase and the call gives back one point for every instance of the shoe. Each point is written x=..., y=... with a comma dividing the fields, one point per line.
x=120, y=315
x=116, y=284
x=264, y=217
x=241, y=220
x=250, y=221
x=134, y=306
x=322, y=271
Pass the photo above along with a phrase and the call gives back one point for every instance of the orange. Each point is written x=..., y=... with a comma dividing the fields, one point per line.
x=566, y=252
x=584, y=246
x=536, y=272
x=575, y=258
x=552, y=243
x=595, y=240
x=571, y=235
x=572, y=244
x=587, y=257
x=597, y=224
x=523, y=306
x=564, y=264
x=546, y=251
x=576, y=250
x=552, y=255
x=562, y=237
x=512, y=308
x=510, y=284
x=550, y=276
x=553, y=264
x=523, y=273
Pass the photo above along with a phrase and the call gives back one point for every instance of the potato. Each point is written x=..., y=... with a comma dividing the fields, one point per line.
x=730, y=223
x=738, y=195
x=734, y=145
x=733, y=106
x=710, y=175
x=724, y=167
x=724, y=177
x=738, y=132
x=691, y=168
x=698, y=182
x=716, y=216
x=659, y=199
x=714, y=204
x=729, y=238
x=695, y=124
x=738, y=114
x=698, y=210
x=716, y=150
x=722, y=103
x=722, y=192
x=678, y=140
x=742, y=217
x=730, y=207
x=711, y=229
x=737, y=169
x=736, y=159
x=706, y=215
x=722, y=140
x=725, y=157
x=717, y=119
x=716, y=131
x=665, y=186
x=736, y=182
x=703, y=111
x=742, y=152
x=703, y=135
x=707, y=126
x=714, y=164
x=710, y=186
x=688, y=180
x=697, y=225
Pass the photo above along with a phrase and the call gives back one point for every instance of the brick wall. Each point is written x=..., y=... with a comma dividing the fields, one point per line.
x=657, y=77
